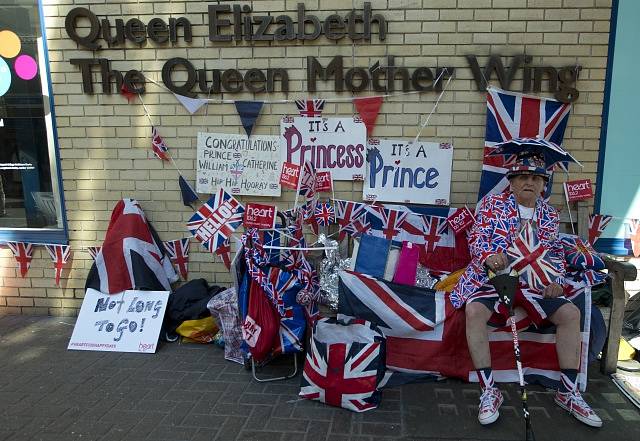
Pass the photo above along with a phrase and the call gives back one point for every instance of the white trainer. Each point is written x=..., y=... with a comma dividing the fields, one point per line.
x=490, y=401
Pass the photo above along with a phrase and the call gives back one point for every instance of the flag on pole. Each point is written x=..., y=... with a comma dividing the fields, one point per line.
x=60, y=256
x=158, y=145
x=325, y=214
x=93, y=251
x=178, y=251
x=248, y=111
x=597, y=224
x=310, y=108
x=23, y=252
x=189, y=195
x=368, y=108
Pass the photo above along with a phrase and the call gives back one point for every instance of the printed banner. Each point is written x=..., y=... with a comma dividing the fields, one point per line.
x=335, y=144
x=400, y=171
x=460, y=220
x=125, y=322
x=324, y=183
x=579, y=190
x=289, y=175
x=246, y=166
x=260, y=216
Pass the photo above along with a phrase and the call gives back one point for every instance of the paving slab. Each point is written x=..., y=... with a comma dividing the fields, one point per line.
x=189, y=392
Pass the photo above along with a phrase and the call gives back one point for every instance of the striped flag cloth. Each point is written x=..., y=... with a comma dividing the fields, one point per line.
x=93, y=251
x=60, y=256
x=597, y=224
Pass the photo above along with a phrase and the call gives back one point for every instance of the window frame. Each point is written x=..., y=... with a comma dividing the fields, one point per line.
x=45, y=235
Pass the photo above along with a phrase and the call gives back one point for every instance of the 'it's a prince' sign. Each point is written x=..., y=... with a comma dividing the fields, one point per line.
x=402, y=171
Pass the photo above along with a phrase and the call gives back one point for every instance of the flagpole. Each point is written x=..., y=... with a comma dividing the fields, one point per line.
x=566, y=198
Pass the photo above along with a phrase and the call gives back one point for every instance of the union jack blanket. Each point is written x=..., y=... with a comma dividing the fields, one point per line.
x=426, y=334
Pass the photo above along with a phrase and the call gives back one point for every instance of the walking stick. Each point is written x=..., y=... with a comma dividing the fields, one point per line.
x=505, y=285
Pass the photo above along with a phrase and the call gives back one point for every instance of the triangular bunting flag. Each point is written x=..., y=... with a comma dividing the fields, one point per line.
x=23, y=252
x=248, y=111
x=223, y=251
x=158, y=146
x=310, y=108
x=178, y=251
x=191, y=104
x=635, y=237
x=188, y=193
x=130, y=96
x=597, y=224
x=368, y=108
x=60, y=255
x=93, y=251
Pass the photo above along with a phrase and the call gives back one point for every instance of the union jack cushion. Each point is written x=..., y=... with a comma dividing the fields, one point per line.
x=579, y=254
x=345, y=364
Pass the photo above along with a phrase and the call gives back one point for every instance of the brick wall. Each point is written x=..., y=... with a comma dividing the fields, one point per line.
x=104, y=142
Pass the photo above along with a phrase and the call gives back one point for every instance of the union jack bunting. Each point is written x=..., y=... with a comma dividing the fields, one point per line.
x=158, y=145
x=347, y=213
x=386, y=222
x=345, y=374
x=307, y=211
x=597, y=224
x=223, y=251
x=60, y=255
x=310, y=108
x=178, y=251
x=325, y=214
x=432, y=231
x=514, y=115
x=531, y=260
x=424, y=333
x=23, y=252
x=93, y=251
x=307, y=182
x=216, y=220
x=634, y=236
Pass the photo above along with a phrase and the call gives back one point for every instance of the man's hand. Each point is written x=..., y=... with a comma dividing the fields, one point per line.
x=497, y=262
x=552, y=291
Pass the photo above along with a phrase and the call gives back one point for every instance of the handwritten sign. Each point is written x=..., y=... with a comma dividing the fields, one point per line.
x=578, y=190
x=460, y=220
x=335, y=144
x=260, y=216
x=289, y=175
x=126, y=322
x=400, y=171
x=246, y=166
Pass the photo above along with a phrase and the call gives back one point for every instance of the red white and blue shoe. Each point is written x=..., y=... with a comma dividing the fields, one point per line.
x=490, y=401
x=573, y=403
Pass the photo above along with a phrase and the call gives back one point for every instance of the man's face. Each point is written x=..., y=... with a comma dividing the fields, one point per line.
x=526, y=188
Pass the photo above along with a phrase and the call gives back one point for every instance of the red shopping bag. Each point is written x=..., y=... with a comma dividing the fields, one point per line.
x=261, y=325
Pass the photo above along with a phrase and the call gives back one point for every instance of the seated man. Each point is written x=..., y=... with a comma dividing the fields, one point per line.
x=498, y=222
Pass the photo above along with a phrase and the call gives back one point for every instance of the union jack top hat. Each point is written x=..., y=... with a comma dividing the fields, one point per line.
x=529, y=163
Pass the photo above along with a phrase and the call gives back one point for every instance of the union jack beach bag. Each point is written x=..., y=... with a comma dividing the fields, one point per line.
x=345, y=364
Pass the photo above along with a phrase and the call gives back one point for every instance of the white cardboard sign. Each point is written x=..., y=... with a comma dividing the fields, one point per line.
x=400, y=171
x=125, y=322
x=245, y=166
x=337, y=145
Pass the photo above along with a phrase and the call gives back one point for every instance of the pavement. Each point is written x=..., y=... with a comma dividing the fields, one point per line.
x=189, y=392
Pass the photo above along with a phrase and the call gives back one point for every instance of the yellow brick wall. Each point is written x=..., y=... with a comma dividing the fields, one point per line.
x=104, y=142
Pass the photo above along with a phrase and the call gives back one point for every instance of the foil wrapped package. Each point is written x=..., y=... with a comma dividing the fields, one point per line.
x=329, y=268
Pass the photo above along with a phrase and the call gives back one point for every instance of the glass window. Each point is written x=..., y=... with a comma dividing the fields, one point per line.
x=30, y=188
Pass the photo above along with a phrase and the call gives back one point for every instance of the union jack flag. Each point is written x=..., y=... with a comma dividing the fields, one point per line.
x=158, y=145
x=531, y=259
x=580, y=254
x=325, y=214
x=23, y=252
x=634, y=236
x=432, y=231
x=216, y=220
x=344, y=374
x=60, y=255
x=93, y=251
x=178, y=251
x=514, y=115
x=308, y=216
x=386, y=222
x=347, y=213
x=310, y=108
x=597, y=224
x=307, y=182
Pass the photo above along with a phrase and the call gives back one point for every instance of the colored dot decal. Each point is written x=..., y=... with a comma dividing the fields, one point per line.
x=26, y=67
x=9, y=44
x=5, y=77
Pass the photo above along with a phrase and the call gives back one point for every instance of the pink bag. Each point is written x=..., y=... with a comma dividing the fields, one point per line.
x=407, y=264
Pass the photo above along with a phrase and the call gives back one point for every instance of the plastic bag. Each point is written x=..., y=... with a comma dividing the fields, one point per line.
x=201, y=330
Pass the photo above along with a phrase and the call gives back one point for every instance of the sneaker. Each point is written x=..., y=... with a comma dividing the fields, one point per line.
x=490, y=401
x=578, y=407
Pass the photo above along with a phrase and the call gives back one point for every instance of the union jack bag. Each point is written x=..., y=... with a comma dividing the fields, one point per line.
x=345, y=364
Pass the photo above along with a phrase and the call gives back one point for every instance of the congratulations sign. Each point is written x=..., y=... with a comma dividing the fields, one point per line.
x=246, y=166
x=334, y=144
x=126, y=322
x=400, y=171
